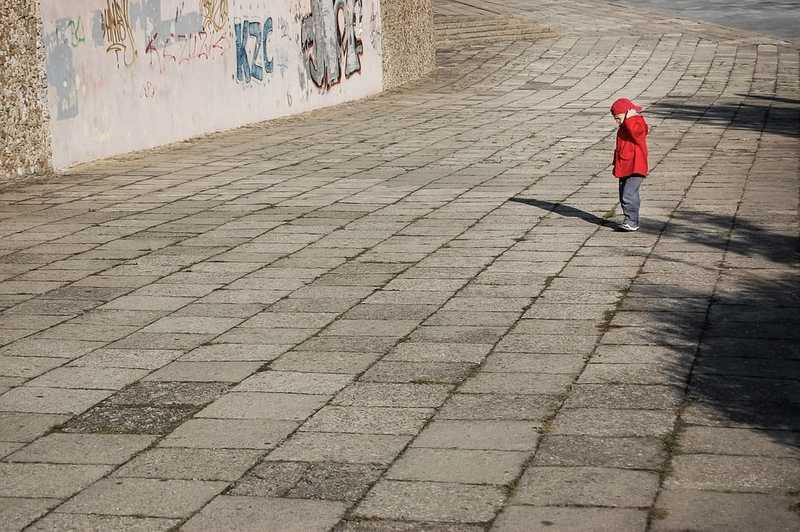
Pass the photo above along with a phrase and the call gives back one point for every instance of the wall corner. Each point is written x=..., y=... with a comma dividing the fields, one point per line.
x=24, y=128
x=409, y=47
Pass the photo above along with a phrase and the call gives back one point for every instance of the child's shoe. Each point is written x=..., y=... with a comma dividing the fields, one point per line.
x=627, y=226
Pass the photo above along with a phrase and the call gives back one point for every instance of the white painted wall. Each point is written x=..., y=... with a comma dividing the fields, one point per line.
x=125, y=75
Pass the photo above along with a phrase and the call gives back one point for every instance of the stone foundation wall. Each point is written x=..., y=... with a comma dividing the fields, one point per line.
x=409, y=49
x=24, y=138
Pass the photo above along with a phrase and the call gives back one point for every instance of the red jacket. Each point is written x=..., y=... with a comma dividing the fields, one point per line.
x=630, y=155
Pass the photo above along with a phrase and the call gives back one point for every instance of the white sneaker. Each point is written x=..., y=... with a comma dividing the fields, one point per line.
x=629, y=227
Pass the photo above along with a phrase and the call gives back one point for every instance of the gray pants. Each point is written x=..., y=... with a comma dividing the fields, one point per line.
x=629, y=198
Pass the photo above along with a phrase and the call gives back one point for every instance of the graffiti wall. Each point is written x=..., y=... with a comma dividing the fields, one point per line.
x=125, y=75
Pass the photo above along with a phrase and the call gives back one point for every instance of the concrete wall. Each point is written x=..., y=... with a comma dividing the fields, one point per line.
x=24, y=147
x=125, y=75
x=409, y=48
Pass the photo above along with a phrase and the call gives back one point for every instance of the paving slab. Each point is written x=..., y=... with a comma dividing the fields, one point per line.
x=253, y=405
x=350, y=448
x=99, y=523
x=229, y=434
x=734, y=473
x=586, y=486
x=459, y=465
x=736, y=512
x=267, y=514
x=431, y=501
x=144, y=497
x=21, y=427
x=365, y=420
x=488, y=435
x=18, y=512
x=48, y=480
x=616, y=452
x=43, y=400
x=191, y=464
x=520, y=518
x=57, y=448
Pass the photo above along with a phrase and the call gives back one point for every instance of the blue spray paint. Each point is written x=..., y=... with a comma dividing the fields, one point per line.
x=248, y=67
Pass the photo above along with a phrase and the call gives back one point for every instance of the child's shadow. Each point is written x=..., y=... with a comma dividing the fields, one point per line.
x=565, y=210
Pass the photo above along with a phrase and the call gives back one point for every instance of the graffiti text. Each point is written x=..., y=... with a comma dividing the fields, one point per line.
x=248, y=66
x=326, y=43
x=215, y=14
x=118, y=32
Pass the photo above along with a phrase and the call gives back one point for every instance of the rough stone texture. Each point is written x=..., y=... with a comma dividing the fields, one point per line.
x=409, y=47
x=24, y=138
x=266, y=515
x=728, y=512
x=523, y=518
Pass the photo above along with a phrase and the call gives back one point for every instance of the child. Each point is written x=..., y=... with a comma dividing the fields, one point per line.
x=630, y=158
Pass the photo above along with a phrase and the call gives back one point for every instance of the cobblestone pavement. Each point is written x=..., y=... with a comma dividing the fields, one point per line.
x=413, y=312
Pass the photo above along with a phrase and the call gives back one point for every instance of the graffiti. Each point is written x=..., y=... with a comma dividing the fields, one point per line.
x=117, y=31
x=149, y=90
x=248, y=67
x=326, y=43
x=74, y=32
x=182, y=48
x=61, y=71
x=215, y=14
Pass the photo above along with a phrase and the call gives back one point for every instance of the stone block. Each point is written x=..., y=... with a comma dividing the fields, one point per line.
x=348, y=448
x=295, y=382
x=431, y=501
x=616, y=452
x=99, y=523
x=362, y=420
x=16, y=512
x=586, y=486
x=229, y=434
x=534, y=408
x=59, y=448
x=418, y=372
x=325, y=362
x=20, y=427
x=48, y=480
x=678, y=510
x=255, y=405
x=191, y=464
x=478, y=434
x=266, y=515
x=393, y=395
x=523, y=518
x=754, y=474
x=42, y=400
x=99, y=378
x=604, y=422
x=144, y=497
x=458, y=465
x=204, y=371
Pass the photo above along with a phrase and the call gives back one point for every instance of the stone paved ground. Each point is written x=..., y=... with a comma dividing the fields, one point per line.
x=414, y=309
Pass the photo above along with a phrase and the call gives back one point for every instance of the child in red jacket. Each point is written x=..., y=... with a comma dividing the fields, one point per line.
x=630, y=158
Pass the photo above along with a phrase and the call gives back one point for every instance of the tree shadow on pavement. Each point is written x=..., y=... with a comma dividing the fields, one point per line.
x=790, y=101
x=740, y=336
x=747, y=368
x=750, y=240
x=776, y=119
x=564, y=210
